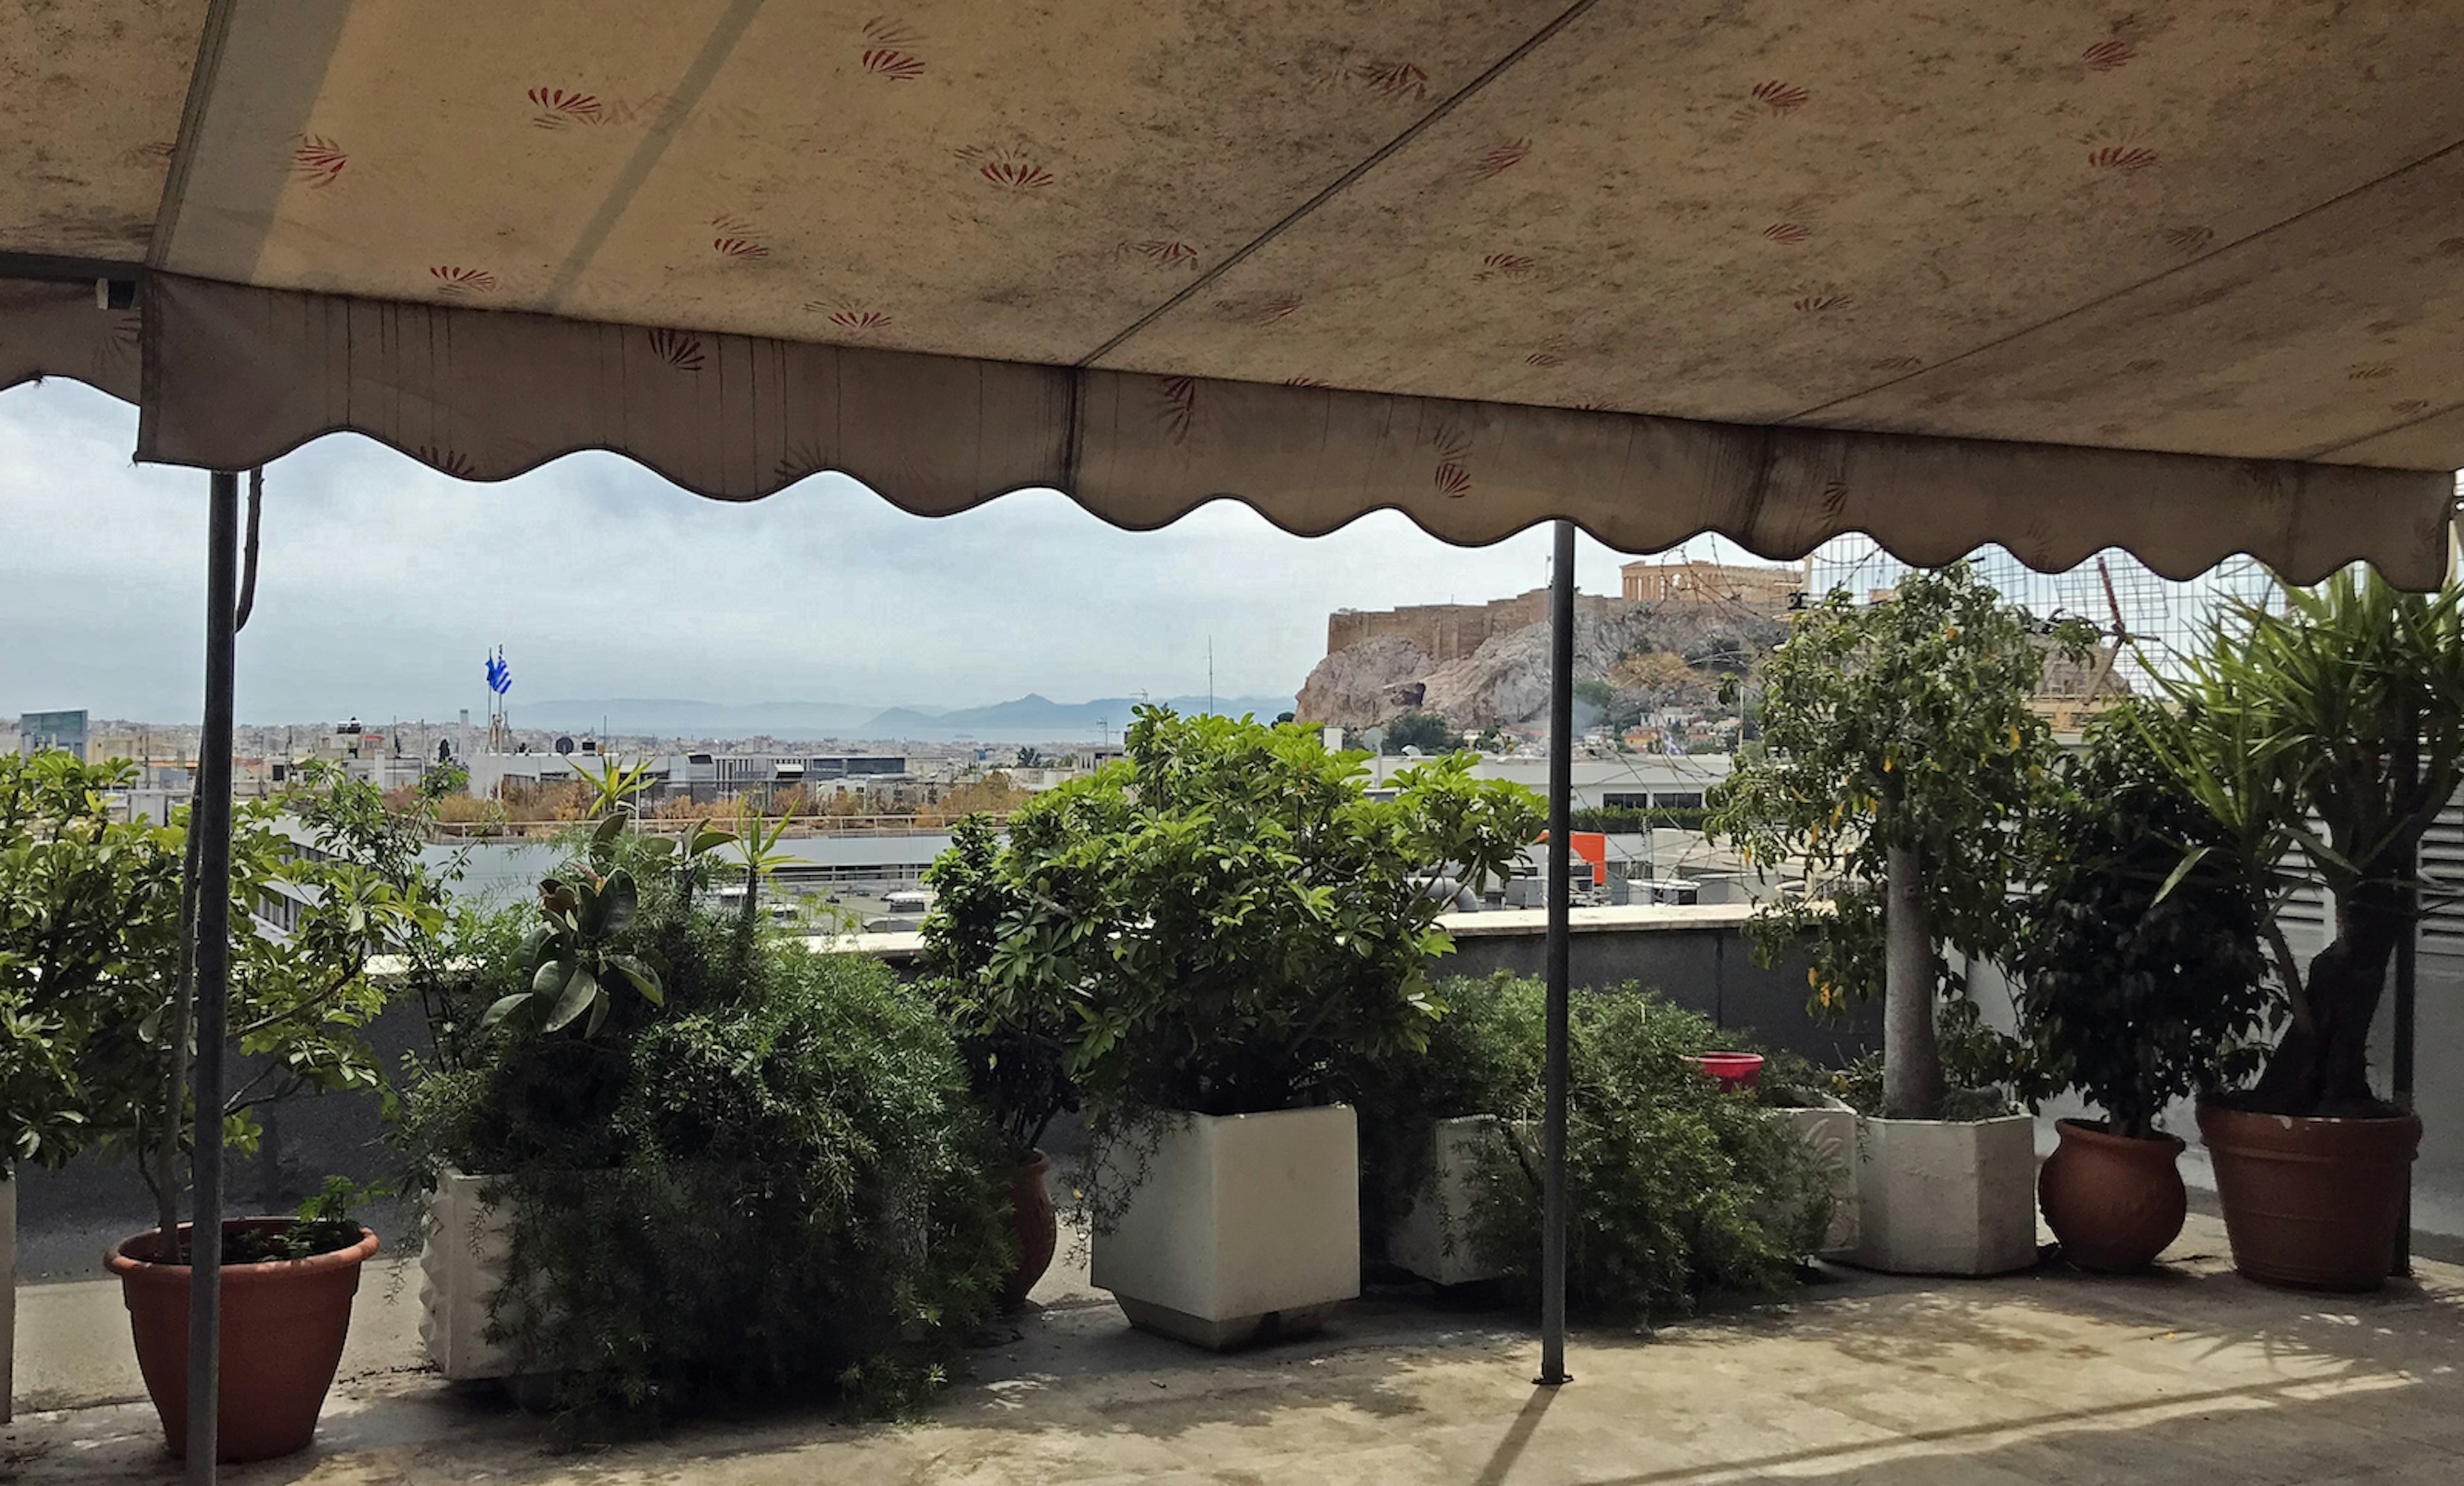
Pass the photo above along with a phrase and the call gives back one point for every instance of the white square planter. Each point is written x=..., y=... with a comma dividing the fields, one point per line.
x=1433, y=1239
x=1244, y=1228
x=1830, y=1129
x=1947, y=1197
x=465, y=1240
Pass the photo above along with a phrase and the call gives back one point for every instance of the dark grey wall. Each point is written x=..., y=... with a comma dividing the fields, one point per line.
x=1710, y=971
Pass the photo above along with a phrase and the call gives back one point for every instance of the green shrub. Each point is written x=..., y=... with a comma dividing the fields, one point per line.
x=775, y=1186
x=1223, y=917
x=2141, y=979
x=1484, y=1057
x=1675, y=1188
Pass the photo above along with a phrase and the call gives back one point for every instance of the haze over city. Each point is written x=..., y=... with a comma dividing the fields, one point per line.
x=382, y=584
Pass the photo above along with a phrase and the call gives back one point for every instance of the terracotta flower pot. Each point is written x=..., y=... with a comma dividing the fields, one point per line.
x=1038, y=1227
x=282, y=1332
x=2115, y=1201
x=2311, y=1202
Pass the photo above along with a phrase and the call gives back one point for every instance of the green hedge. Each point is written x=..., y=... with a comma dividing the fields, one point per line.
x=773, y=1186
x=1675, y=1189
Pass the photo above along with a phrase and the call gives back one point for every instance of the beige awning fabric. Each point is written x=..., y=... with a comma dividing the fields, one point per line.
x=2184, y=279
x=56, y=329
x=240, y=374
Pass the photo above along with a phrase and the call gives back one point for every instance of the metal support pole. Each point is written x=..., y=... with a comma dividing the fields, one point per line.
x=2407, y=986
x=1561, y=789
x=210, y=815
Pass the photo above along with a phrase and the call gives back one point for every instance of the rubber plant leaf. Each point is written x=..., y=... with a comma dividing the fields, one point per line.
x=580, y=990
x=618, y=902
x=504, y=1007
x=552, y=976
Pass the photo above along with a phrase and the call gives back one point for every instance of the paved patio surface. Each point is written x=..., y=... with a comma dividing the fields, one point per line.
x=2191, y=1376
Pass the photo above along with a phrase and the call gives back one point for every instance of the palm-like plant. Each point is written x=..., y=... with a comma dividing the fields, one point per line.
x=756, y=843
x=613, y=784
x=2326, y=738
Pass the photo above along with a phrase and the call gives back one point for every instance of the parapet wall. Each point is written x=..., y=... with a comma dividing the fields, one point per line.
x=1450, y=631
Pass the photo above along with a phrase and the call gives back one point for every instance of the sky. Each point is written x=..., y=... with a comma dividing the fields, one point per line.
x=382, y=584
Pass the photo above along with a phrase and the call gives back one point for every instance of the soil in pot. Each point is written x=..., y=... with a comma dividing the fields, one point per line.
x=1036, y=1225
x=284, y=1322
x=2311, y=1202
x=2115, y=1201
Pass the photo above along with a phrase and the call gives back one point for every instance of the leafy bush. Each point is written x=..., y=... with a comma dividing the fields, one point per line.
x=1014, y=1037
x=773, y=1185
x=2141, y=979
x=1427, y=731
x=1484, y=1056
x=85, y=950
x=93, y=986
x=1675, y=1188
x=1223, y=915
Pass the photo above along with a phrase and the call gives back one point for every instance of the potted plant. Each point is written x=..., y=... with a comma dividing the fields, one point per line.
x=1801, y=1096
x=298, y=1002
x=559, y=975
x=750, y=1173
x=1900, y=764
x=80, y=953
x=2140, y=982
x=2324, y=731
x=1230, y=919
x=1431, y=1121
x=1012, y=1033
x=1678, y=1186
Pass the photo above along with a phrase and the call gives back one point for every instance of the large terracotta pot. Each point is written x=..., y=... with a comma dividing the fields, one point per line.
x=282, y=1332
x=2311, y=1202
x=1036, y=1225
x=2115, y=1201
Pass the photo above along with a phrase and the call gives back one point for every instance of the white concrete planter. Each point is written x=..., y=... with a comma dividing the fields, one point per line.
x=8, y=1294
x=1433, y=1239
x=462, y=1257
x=1830, y=1129
x=1947, y=1197
x=1244, y=1227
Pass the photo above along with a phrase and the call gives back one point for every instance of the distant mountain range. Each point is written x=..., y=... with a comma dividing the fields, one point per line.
x=1028, y=719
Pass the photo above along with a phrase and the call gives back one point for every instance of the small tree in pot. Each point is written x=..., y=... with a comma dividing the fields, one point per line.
x=1901, y=764
x=2325, y=737
x=345, y=882
x=1229, y=919
x=2140, y=983
x=1013, y=1031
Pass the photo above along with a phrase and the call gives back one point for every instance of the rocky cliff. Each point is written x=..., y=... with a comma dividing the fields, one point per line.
x=1505, y=681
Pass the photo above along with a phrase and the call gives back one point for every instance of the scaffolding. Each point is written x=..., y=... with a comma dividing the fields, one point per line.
x=2157, y=619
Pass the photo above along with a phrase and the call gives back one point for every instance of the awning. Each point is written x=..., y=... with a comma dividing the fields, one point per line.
x=2185, y=281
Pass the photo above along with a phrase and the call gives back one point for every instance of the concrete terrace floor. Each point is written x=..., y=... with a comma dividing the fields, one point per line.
x=2188, y=1375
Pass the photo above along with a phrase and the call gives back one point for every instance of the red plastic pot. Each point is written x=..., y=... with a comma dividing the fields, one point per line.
x=2115, y=1201
x=1734, y=1070
x=282, y=1332
x=1035, y=1224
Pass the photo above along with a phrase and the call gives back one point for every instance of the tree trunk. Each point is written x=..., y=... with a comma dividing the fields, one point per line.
x=1911, y=1060
x=2325, y=1069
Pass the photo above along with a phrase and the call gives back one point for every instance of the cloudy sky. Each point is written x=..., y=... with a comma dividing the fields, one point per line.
x=382, y=584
